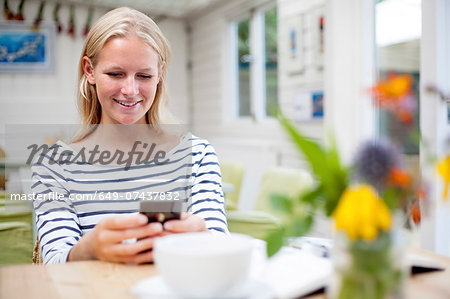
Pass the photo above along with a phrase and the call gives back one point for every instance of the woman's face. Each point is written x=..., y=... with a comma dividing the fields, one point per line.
x=126, y=76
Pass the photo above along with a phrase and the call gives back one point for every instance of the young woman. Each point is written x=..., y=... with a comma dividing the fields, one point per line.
x=122, y=82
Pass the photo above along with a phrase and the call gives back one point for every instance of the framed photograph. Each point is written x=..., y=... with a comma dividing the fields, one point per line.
x=23, y=50
x=308, y=105
x=294, y=44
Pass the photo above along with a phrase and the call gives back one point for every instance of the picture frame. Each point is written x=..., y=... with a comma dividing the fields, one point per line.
x=295, y=44
x=308, y=105
x=27, y=50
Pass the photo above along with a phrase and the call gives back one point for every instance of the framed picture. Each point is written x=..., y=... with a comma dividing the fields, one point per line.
x=294, y=44
x=23, y=50
x=317, y=104
x=308, y=105
x=319, y=36
x=448, y=113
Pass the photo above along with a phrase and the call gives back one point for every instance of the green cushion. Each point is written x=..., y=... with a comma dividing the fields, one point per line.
x=257, y=224
x=265, y=218
x=5, y=194
x=230, y=205
x=233, y=173
x=251, y=217
x=6, y=201
x=7, y=215
x=16, y=243
x=282, y=181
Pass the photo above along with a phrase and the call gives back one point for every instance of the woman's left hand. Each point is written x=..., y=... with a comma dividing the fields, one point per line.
x=187, y=223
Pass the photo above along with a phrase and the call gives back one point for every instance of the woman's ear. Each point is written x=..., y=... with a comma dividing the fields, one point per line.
x=161, y=70
x=88, y=70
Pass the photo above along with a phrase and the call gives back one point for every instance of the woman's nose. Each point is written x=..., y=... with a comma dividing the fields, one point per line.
x=130, y=86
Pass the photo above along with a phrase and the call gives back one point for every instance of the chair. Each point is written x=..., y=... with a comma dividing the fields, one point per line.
x=3, y=178
x=20, y=215
x=16, y=243
x=37, y=257
x=265, y=218
x=16, y=231
x=232, y=173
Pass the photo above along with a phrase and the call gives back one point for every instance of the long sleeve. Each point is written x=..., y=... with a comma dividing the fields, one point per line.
x=207, y=198
x=56, y=219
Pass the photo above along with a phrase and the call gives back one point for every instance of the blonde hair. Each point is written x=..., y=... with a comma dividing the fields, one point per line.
x=121, y=22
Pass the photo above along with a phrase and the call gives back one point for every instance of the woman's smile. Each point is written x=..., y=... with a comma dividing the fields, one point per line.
x=128, y=105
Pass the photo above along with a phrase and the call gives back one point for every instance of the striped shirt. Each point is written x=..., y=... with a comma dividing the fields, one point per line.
x=71, y=198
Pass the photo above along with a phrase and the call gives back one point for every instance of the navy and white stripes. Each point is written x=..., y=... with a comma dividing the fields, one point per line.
x=72, y=198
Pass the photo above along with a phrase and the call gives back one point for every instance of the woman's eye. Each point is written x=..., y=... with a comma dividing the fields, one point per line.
x=115, y=75
x=145, y=76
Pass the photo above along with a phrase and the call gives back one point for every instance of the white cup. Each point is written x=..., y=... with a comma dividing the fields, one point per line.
x=201, y=265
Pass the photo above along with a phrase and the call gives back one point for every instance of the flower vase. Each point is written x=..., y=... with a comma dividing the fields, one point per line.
x=373, y=269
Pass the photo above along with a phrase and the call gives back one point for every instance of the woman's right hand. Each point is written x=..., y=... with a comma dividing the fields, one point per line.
x=104, y=242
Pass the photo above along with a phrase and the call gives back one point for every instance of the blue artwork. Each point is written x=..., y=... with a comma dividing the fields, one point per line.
x=293, y=42
x=317, y=99
x=25, y=50
x=22, y=47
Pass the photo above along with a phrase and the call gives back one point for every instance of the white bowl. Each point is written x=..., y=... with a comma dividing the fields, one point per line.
x=203, y=264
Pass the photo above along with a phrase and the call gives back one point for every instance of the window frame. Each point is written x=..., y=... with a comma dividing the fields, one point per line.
x=258, y=98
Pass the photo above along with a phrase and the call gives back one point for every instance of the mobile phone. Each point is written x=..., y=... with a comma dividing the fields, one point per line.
x=158, y=210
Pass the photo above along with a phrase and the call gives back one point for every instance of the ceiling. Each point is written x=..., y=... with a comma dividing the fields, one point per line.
x=165, y=8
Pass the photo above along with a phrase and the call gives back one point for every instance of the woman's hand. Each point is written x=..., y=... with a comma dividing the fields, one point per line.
x=104, y=242
x=187, y=223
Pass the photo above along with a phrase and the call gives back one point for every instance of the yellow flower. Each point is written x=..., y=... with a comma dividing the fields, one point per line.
x=444, y=170
x=361, y=214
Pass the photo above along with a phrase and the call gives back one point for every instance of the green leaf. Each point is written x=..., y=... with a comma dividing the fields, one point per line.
x=326, y=166
x=337, y=179
x=391, y=197
x=275, y=240
x=302, y=226
x=312, y=196
x=281, y=203
x=312, y=151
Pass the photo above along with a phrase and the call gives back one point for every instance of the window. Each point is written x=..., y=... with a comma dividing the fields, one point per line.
x=254, y=64
x=243, y=62
x=398, y=51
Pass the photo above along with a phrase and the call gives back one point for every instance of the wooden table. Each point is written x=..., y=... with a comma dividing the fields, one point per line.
x=94, y=279
x=90, y=279
x=433, y=284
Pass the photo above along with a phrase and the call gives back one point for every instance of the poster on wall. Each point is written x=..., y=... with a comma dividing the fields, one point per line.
x=308, y=105
x=294, y=44
x=23, y=50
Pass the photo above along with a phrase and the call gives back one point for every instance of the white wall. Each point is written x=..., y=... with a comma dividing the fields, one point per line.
x=175, y=32
x=44, y=98
x=51, y=98
x=292, y=83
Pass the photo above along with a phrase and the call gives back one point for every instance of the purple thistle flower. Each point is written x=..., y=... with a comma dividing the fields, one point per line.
x=374, y=162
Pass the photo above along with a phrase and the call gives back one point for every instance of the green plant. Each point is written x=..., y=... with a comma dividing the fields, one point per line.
x=378, y=164
x=332, y=178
